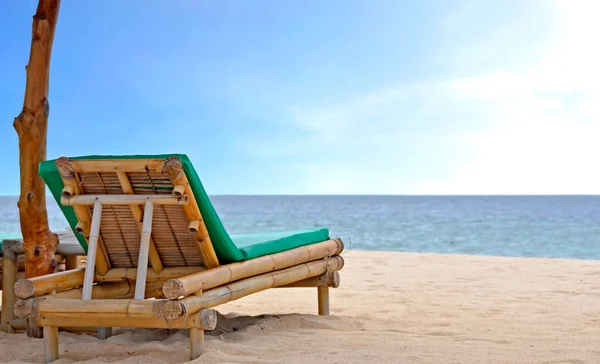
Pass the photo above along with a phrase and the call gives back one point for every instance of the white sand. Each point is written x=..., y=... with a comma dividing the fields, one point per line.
x=391, y=308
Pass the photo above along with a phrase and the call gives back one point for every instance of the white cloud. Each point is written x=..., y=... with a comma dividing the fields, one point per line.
x=510, y=131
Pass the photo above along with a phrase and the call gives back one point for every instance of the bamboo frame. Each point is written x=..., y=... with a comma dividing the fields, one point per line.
x=196, y=323
x=190, y=284
x=109, y=290
x=136, y=212
x=85, y=200
x=201, y=320
x=25, y=288
x=18, y=324
x=9, y=276
x=71, y=182
x=223, y=294
x=106, y=298
x=13, y=251
x=192, y=312
x=50, y=343
x=118, y=274
x=174, y=168
x=67, y=280
x=329, y=279
x=124, y=165
x=105, y=308
x=323, y=300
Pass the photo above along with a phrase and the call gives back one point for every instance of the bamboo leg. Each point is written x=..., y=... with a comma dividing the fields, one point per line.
x=9, y=277
x=323, y=293
x=88, y=280
x=33, y=330
x=196, y=342
x=72, y=262
x=50, y=344
x=142, y=268
x=90, y=267
x=104, y=332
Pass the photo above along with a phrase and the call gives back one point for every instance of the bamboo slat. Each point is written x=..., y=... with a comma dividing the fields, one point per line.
x=120, y=230
x=136, y=213
x=123, y=200
x=38, y=286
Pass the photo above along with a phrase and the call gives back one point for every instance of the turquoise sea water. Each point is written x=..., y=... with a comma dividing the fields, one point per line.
x=529, y=226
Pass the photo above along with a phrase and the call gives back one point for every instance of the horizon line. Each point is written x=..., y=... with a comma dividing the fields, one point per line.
x=388, y=195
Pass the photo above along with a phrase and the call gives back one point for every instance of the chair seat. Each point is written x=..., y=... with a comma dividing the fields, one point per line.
x=259, y=244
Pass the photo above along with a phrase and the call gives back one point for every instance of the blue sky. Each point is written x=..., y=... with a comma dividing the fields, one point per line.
x=313, y=97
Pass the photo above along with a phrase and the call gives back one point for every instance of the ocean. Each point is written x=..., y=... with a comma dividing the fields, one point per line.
x=517, y=226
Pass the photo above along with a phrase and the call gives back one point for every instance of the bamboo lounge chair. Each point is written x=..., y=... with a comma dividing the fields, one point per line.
x=158, y=255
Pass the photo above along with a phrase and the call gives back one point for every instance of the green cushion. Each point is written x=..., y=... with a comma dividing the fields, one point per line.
x=250, y=246
x=259, y=244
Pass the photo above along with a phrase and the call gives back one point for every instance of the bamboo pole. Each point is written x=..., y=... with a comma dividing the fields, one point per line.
x=104, y=333
x=118, y=274
x=208, y=319
x=50, y=344
x=105, y=308
x=174, y=168
x=114, y=165
x=84, y=215
x=109, y=290
x=142, y=267
x=196, y=343
x=245, y=287
x=72, y=262
x=31, y=126
x=329, y=279
x=323, y=300
x=136, y=212
x=9, y=276
x=123, y=200
x=20, y=264
x=19, y=325
x=25, y=288
x=178, y=190
x=197, y=320
x=187, y=285
x=88, y=279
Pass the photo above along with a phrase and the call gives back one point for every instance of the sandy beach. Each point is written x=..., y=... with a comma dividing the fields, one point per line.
x=390, y=308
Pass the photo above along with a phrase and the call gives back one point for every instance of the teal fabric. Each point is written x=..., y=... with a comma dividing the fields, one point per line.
x=227, y=249
x=259, y=244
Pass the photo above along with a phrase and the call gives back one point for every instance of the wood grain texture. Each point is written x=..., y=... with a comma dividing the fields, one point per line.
x=32, y=126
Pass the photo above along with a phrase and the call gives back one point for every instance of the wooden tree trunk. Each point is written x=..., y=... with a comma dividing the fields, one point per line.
x=32, y=126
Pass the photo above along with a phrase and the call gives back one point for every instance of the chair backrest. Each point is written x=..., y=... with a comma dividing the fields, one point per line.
x=179, y=236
